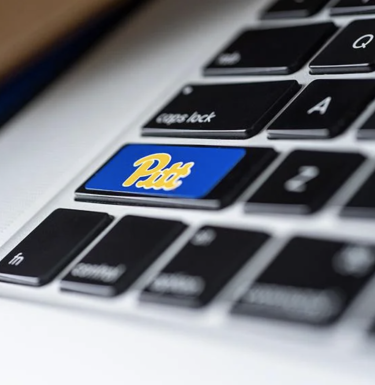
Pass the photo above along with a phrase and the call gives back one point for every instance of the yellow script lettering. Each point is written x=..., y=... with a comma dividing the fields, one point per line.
x=170, y=178
x=159, y=177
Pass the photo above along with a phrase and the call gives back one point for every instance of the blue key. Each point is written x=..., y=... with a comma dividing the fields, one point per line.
x=187, y=176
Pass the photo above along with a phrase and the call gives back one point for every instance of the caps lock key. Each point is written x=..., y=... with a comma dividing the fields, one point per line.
x=221, y=110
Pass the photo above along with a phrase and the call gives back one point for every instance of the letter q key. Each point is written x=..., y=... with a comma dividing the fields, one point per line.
x=363, y=41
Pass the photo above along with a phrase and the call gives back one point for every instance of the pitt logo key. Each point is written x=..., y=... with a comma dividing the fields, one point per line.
x=160, y=177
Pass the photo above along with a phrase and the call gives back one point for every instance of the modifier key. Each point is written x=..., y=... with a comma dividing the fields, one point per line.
x=202, y=268
x=52, y=246
x=121, y=256
x=274, y=51
x=311, y=281
x=176, y=176
x=221, y=110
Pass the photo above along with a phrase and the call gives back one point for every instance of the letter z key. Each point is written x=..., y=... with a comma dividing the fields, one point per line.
x=304, y=182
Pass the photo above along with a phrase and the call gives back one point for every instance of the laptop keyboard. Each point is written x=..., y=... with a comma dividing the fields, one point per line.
x=311, y=279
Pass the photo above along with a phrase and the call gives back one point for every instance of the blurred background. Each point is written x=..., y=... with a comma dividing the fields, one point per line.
x=39, y=39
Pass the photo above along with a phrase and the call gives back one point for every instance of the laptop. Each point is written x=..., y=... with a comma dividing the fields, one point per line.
x=194, y=202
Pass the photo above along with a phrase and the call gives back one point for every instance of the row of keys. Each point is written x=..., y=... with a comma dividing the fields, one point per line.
x=212, y=177
x=278, y=51
x=286, y=9
x=324, y=109
x=311, y=280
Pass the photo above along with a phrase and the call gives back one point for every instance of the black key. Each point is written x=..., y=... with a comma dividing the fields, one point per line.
x=362, y=205
x=176, y=176
x=221, y=110
x=353, y=7
x=202, y=268
x=288, y=9
x=353, y=50
x=52, y=246
x=367, y=130
x=323, y=110
x=121, y=256
x=311, y=281
x=304, y=182
x=276, y=51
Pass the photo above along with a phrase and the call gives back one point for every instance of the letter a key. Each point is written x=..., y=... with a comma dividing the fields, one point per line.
x=324, y=109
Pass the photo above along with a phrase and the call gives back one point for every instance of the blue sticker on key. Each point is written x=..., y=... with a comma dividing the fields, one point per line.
x=169, y=171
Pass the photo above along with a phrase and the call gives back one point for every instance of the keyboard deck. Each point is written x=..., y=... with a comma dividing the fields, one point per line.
x=241, y=203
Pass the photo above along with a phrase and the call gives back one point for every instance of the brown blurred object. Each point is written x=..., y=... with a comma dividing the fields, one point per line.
x=29, y=27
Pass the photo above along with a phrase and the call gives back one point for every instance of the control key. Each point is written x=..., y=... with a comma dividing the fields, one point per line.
x=121, y=256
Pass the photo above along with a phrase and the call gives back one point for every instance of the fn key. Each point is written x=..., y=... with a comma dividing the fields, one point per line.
x=52, y=246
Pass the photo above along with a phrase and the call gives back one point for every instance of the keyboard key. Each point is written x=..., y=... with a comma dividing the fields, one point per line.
x=175, y=176
x=289, y=9
x=304, y=182
x=353, y=50
x=311, y=281
x=122, y=256
x=276, y=51
x=52, y=246
x=221, y=110
x=324, y=109
x=367, y=131
x=362, y=205
x=353, y=7
x=203, y=266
